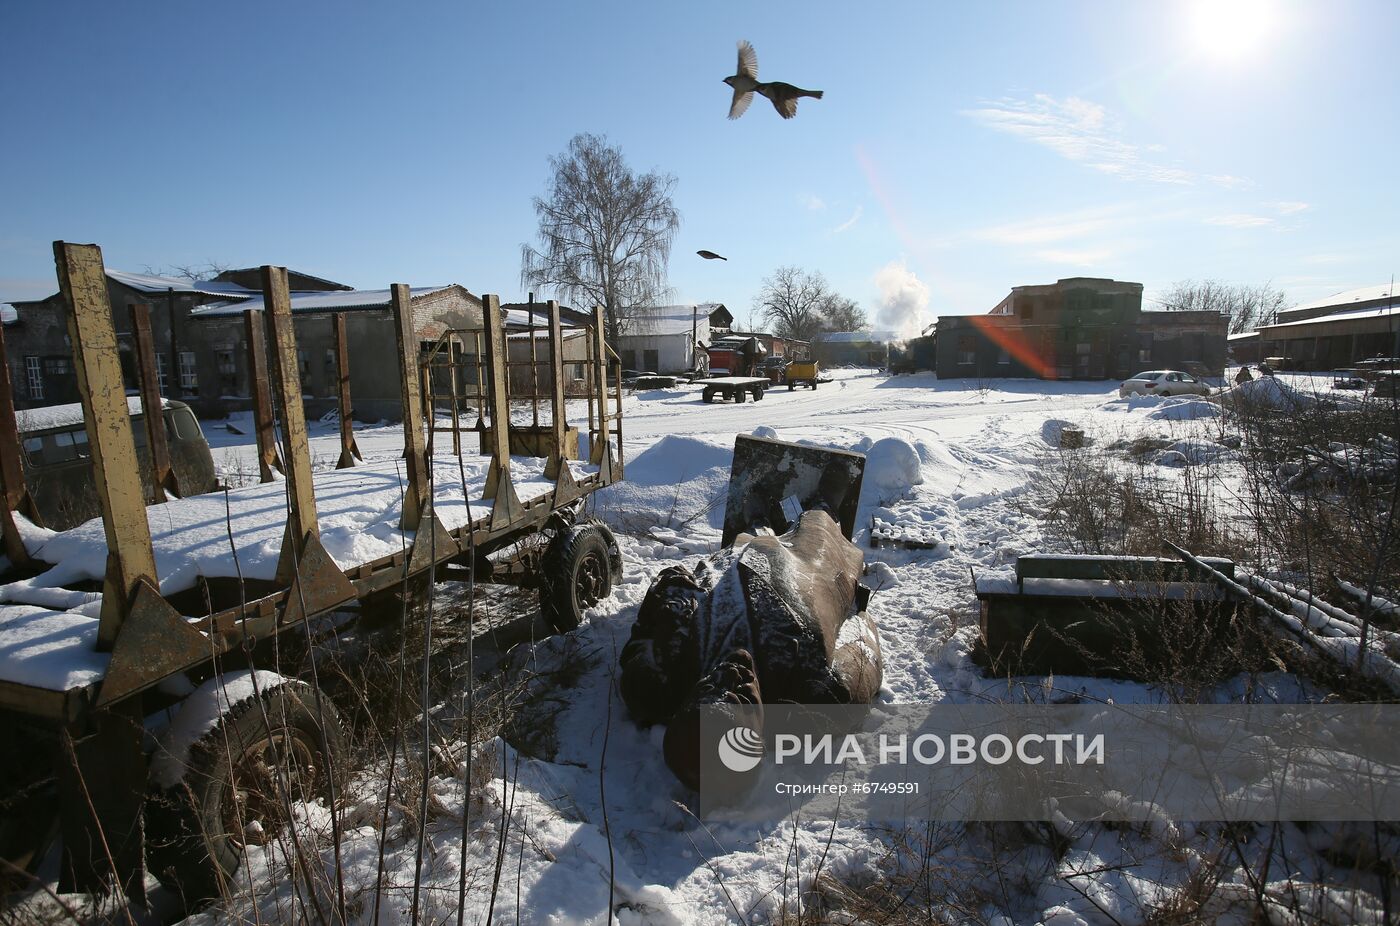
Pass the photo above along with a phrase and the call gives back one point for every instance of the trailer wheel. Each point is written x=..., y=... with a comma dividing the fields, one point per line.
x=791, y=386
x=708, y=395
x=738, y=395
x=758, y=393
x=230, y=798
x=577, y=572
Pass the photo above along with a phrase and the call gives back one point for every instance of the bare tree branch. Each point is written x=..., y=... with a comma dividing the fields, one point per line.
x=798, y=304
x=1247, y=306
x=605, y=233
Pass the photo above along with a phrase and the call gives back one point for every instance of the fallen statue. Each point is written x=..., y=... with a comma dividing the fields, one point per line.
x=770, y=618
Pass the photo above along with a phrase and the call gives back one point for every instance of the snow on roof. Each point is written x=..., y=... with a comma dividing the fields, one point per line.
x=8, y=314
x=66, y=416
x=150, y=283
x=1359, y=314
x=317, y=301
x=668, y=319
x=1340, y=300
x=1240, y=336
x=858, y=337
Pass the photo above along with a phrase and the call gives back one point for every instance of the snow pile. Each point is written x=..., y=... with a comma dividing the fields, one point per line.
x=677, y=482
x=892, y=469
x=1182, y=408
x=1194, y=452
x=1270, y=392
x=1051, y=430
x=50, y=649
x=764, y=431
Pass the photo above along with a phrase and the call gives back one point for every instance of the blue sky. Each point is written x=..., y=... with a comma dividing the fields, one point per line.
x=961, y=149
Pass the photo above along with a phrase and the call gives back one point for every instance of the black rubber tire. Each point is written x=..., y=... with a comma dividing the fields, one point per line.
x=738, y=395
x=791, y=386
x=708, y=395
x=190, y=843
x=814, y=385
x=758, y=393
x=576, y=572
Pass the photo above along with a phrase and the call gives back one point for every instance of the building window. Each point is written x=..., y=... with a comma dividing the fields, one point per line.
x=1003, y=358
x=1145, y=355
x=162, y=379
x=1082, y=348
x=34, y=372
x=967, y=350
x=189, y=376
x=304, y=366
x=228, y=371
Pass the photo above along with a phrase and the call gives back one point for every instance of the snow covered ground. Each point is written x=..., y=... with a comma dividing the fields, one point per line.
x=951, y=463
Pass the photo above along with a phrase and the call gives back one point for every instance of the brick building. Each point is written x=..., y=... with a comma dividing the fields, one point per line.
x=1078, y=328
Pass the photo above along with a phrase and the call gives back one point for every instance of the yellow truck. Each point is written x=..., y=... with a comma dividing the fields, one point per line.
x=801, y=372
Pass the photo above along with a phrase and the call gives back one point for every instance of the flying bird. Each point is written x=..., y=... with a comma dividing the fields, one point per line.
x=711, y=255
x=745, y=82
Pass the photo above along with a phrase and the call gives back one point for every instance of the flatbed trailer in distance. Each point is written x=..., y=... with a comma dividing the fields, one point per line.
x=735, y=387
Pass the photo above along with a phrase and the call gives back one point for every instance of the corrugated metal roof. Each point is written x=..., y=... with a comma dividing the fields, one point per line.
x=1343, y=299
x=1341, y=317
x=149, y=283
x=320, y=301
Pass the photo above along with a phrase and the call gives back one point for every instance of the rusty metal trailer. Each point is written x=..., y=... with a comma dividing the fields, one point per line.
x=79, y=752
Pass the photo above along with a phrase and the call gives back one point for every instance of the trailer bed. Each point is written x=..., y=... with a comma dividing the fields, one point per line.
x=48, y=632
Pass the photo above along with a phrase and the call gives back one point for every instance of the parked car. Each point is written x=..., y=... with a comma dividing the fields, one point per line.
x=1162, y=382
x=58, y=467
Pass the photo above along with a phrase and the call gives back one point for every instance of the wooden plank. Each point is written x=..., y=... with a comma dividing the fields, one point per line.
x=600, y=453
x=286, y=396
x=499, y=488
x=269, y=458
x=13, y=488
x=557, y=409
x=162, y=474
x=416, y=500
x=96, y=361
x=349, y=450
x=1114, y=568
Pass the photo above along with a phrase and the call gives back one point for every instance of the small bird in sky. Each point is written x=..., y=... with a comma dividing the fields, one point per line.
x=711, y=255
x=783, y=96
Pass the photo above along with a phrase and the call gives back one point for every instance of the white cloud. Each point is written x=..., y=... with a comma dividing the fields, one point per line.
x=849, y=223
x=1052, y=228
x=813, y=203
x=903, y=299
x=1240, y=220
x=1082, y=131
x=1288, y=207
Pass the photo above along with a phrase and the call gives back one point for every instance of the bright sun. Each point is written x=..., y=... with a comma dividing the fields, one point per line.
x=1232, y=30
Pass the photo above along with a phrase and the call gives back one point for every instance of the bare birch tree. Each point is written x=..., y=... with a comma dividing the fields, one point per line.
x=605, y=232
